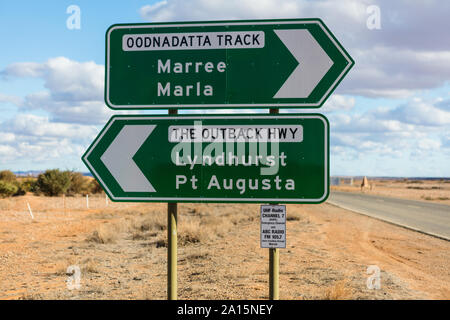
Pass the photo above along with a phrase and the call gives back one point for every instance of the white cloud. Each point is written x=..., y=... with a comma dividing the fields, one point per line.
x=10, y=99
x=37, y=126
x=66, y=79
x=410, y=52
x=396, y=73
x=6, y=151
x=150, y=9
x=420, y=112
x=429, y=144
x=6, y=137
x=179, y=10
x=443, y=104
x=338, y=103
x=82, y=111
x=405, y=24
x=413, y=130
x=23, y=69
x=368, y=122
x=37, y=139
x=74, y=89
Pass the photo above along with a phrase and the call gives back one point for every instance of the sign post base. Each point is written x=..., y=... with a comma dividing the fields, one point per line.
x=172, y=284
x=274, y=268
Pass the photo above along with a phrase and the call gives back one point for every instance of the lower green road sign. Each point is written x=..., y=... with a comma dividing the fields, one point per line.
x=216, y=158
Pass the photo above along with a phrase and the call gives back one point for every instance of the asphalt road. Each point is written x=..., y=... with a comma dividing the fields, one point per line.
x=426, y=217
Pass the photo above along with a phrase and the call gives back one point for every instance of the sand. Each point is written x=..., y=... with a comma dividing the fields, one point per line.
x=120, y=250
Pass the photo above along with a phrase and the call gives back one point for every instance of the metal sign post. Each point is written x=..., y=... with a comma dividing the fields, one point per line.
x=273, y=236
x=274, y=259
x=274, y=271
x=172, y=243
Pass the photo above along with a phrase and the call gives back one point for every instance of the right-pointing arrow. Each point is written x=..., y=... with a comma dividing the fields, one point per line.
x=313, y=63
x=118, y=158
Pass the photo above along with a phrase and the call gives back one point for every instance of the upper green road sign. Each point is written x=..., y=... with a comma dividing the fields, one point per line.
x=223, y=64
x=217, y=158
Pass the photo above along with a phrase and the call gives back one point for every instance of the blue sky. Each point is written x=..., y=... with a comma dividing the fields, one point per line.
x=389, y=117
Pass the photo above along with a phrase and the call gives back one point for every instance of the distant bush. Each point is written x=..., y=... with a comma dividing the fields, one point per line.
x=95, y=187
x=10, y=183
x=20, y=191
x=7, y=176
x=79, y=184
x=53, y=182
x=28, y=184
x=7, y=189
x=50, y=183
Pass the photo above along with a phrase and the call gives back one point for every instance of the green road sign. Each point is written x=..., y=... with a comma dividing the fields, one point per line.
x=216, y=158
x=223, y=64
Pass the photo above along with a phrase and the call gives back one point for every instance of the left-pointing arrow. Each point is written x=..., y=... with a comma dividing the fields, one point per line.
x=118, y=158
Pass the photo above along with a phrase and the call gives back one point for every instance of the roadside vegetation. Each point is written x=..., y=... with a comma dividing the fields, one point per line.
x=51, y=183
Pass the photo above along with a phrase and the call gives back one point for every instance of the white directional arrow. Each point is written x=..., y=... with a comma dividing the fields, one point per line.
x=118, y=158
x=313, y=63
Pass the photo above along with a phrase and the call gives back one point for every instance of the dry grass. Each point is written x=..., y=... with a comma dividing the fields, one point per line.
x=445, y=294
x=161, y=243
x=202, y=254
x=139, y=235
x=105, y=233
x=339, y=291
x=211, y=267
x=89, y=266
x=241, y=217
x=197, y=226
x=4, y=205
x=60, y=267
x=293, y=216
x=101, y=215
x=191, y=231
x=152, y=222
x=216, y=225
x=149, y=226
x=31, y=296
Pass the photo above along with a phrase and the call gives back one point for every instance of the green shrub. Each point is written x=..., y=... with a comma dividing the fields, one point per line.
x=95, y=187
x=28, y=185
x=25, y=185
x=7, y=176
x=20, y=191
x=79, y=184
x=54, y=182
x=7, y=189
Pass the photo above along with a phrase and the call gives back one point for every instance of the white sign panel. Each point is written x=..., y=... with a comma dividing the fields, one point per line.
x=273, y=226
x=193, y=41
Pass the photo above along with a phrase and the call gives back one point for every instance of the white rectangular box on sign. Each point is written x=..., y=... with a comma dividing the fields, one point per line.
x=273, y=226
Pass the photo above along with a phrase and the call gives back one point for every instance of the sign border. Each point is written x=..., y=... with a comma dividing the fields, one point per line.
x=323, y=198
x=318, y=21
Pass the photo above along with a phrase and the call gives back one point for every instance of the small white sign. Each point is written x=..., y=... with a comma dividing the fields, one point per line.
x=273, y=226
